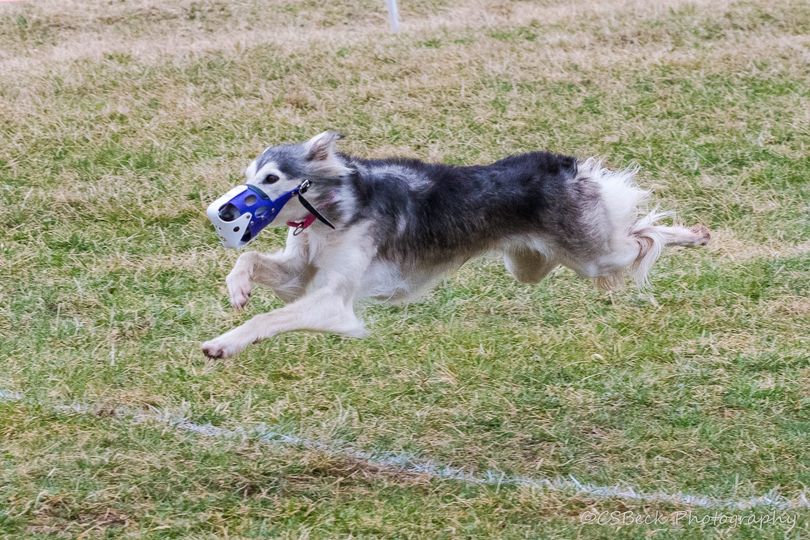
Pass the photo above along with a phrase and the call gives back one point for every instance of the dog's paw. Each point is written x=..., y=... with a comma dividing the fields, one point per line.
x=702, y=233
x=359, y=332
x=239, y=287
x=220, y=348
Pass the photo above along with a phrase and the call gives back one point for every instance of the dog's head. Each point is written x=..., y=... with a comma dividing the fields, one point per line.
x=281, y=168
x=273, y=181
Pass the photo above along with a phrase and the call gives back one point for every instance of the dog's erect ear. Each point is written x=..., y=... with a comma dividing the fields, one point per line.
x=323, y=160
x=321, y=146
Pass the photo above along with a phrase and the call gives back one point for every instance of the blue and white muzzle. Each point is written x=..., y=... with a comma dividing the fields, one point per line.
x=241, y=214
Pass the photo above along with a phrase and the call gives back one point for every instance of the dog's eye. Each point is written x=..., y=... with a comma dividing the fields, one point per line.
x=270, y=179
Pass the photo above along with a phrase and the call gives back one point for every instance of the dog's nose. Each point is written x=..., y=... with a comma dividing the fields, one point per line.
x=229, y=212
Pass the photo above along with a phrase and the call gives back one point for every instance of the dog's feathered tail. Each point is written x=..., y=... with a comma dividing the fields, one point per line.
x=651, y=245
x=623, y=202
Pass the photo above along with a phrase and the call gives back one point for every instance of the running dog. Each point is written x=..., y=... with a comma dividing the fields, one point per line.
x=402, y=224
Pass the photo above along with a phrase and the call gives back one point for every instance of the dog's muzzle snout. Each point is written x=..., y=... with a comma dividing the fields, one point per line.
x=240, y=214
x=229, y=213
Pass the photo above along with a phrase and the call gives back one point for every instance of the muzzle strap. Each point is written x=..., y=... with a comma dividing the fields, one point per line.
x=314, y=212
x=301, y=225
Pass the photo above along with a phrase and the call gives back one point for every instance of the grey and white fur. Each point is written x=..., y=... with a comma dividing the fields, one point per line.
x=402, y=224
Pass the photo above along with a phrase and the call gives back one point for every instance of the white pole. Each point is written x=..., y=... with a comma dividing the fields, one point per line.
x=393, y=16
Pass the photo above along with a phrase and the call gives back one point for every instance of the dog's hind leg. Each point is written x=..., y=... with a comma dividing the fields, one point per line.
x=641, y=248
x=652, y=239
x=626, y=244
x=527, y=265
x=677, y=235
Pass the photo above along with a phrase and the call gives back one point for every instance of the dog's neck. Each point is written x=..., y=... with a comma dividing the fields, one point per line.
x=323, y=195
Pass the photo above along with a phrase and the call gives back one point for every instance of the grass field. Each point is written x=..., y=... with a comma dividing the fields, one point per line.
x=120, y=121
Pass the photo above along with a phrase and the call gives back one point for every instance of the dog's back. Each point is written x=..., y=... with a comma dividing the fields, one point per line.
x=425, y=210
x=540, y=209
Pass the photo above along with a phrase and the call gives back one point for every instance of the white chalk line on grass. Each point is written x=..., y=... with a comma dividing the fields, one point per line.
x=414, y=465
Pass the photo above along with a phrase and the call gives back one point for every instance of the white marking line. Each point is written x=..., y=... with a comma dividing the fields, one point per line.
x=410, y=464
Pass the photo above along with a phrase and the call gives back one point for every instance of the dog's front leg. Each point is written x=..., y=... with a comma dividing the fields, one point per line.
x=327, y=309
x=328, y=305
x=240, y=279
x=284, y=272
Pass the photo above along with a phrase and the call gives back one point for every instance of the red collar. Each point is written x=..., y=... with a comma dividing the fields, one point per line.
x=301, y=225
